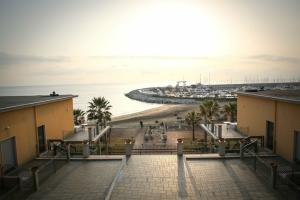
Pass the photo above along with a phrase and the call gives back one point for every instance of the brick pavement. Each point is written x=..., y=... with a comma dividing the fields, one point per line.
x=79, y=180
x=156, y=177
x=228, y=179
x=169, y=177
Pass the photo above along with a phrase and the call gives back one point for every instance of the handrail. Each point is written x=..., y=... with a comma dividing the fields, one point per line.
x=250, y=145
x=247, y=148
x=61, y=149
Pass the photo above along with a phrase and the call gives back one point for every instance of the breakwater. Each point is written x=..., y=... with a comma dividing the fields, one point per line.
x=150, y=98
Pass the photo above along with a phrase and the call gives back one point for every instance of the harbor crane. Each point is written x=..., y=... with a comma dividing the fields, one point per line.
x=183, y=84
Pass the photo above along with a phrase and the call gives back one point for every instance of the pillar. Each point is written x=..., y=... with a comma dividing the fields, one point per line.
x=222, y=147
x=242, y=144
x=273, y=174
x=179, y=147
x=68, y=152
x=220, y=131
x=99, y=146
x=86, y=149
x=90, y=134
x=35, y=176
x=128, y=148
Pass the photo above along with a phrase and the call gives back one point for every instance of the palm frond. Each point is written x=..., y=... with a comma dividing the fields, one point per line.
x=99, y=109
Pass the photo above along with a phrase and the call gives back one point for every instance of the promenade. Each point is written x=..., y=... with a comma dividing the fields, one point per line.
x=156, y=177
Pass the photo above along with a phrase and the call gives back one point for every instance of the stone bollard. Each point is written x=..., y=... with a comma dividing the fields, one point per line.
x=222, y=147
x=86, y=149
x=273, y=174
x=35, y=176
x=242, y=144
x=179, y=147
x=128, y=148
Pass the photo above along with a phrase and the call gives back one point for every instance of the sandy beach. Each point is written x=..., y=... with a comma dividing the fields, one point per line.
x=166, y=113
x=162, y=113
x=128, y=126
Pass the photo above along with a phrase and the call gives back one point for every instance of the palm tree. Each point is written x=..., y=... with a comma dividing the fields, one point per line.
x=192, y=118
x=209, y=110
x=230, y=110
x=99, y=110
x=78, y=115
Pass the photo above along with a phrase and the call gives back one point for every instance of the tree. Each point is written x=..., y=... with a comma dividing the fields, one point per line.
x=78, y=115
x=192, y=118
x=209, y=110
x=230, y=110
x=99, y=110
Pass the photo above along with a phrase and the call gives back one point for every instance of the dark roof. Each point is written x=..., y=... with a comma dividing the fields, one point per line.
x=291, y=96
x=8, y=103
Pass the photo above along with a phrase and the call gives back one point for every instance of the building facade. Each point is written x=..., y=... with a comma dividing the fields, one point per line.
x=27, y=122
x=275, y=115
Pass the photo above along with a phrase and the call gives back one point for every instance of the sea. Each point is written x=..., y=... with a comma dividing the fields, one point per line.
x=114, y=93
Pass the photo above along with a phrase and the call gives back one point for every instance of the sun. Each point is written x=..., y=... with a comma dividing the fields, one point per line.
x=171, y=29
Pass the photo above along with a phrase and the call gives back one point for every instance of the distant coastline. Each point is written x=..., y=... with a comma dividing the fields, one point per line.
x=148, y=98
x=121, y=105
x=193, y=94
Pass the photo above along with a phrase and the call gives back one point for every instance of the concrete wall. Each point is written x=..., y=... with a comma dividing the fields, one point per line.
x=288, y=120
x=253, y=113
x=21, y=125
x=57, y=118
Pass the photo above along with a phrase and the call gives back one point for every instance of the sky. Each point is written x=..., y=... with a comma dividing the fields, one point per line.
x=52, y=42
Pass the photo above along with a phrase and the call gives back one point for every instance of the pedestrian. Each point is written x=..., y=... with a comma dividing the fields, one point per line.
x=142, y=124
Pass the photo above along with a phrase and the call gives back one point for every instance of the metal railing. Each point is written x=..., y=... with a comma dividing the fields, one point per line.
x=41, y=173
x=143, y=151
x=271, y=169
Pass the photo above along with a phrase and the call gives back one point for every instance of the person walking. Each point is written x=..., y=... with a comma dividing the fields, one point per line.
x=142, y=124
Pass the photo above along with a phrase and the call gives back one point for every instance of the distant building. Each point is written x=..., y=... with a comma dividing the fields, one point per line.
x=275, y=115
x=27, y=122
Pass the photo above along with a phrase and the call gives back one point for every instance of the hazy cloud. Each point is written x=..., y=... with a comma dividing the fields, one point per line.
x=154, y=57
x=275, y=58
x=12, y=59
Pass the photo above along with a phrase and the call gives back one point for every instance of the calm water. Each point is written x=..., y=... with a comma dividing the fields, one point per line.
x=121, y=105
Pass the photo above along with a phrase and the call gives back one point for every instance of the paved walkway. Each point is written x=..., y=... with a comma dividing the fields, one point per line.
x=79, y=180
x=169, y=177
x=154, y=177
x=228, y=179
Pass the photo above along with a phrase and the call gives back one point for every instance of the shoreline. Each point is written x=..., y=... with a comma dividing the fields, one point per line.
x=162, y=112
x=165, y=112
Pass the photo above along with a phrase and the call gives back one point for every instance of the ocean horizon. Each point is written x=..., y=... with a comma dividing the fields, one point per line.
x=114, y=93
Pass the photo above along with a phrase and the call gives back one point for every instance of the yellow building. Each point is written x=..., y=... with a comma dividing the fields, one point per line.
x=27, y=122
x=275, y=115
